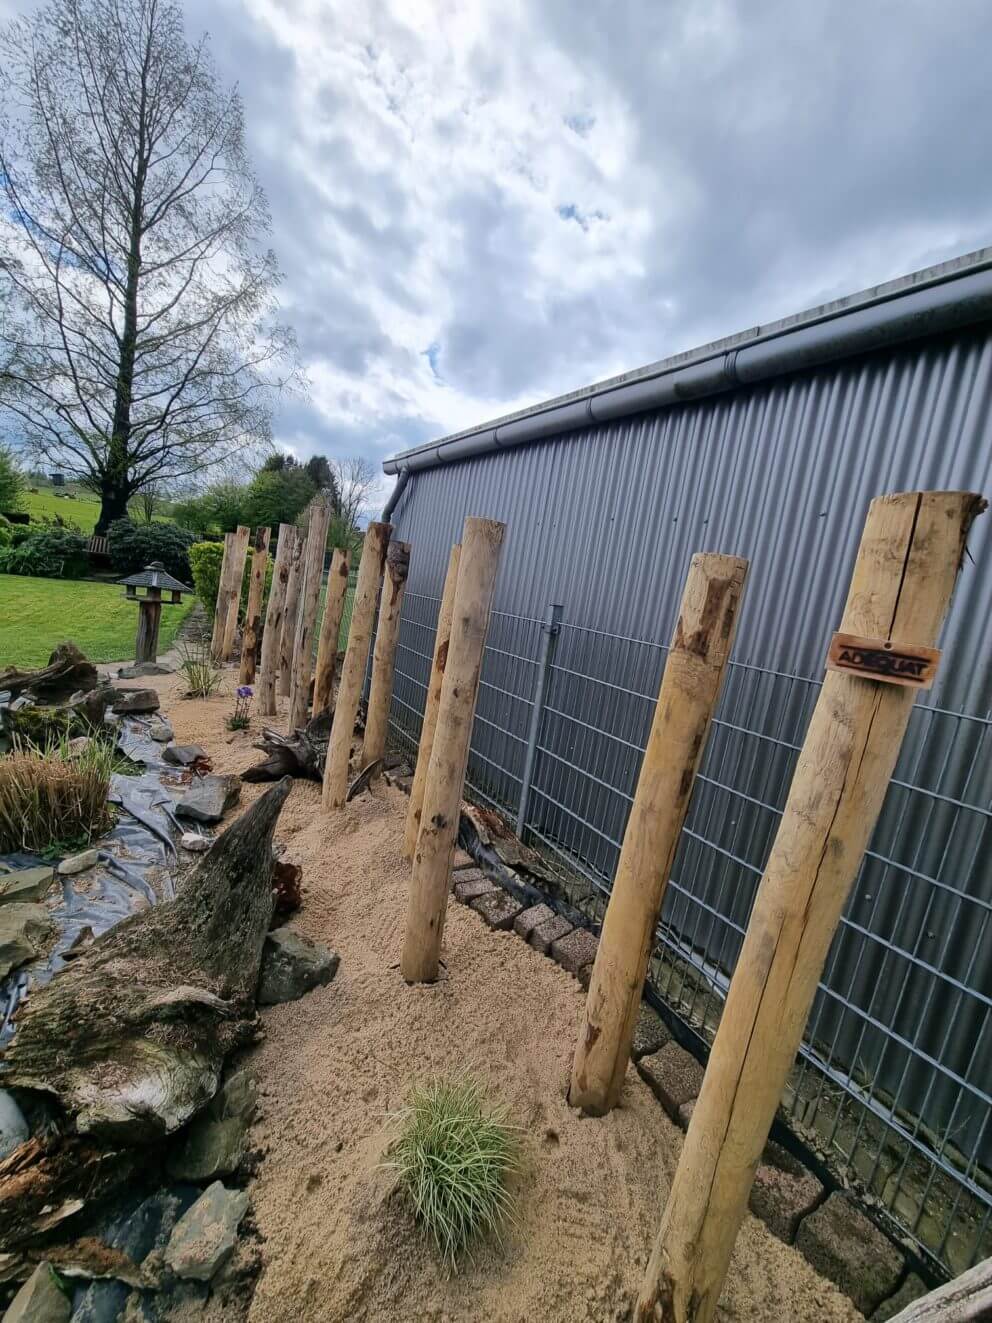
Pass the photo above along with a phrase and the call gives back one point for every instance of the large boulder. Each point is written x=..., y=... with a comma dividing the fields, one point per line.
x=40, y=1300
x=23, y=932
x=25, y=884
x=292, y=965
x=204, y=1237
x=209, y=798
x=135, y=701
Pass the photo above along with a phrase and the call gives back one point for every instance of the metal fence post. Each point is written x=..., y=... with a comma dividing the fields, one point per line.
x=549, y=635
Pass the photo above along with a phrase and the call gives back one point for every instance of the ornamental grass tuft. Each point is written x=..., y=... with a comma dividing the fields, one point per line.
x=53, y=799
x=453, y=1155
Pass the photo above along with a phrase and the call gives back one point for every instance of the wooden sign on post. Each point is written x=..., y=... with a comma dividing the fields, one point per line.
x=881, y=659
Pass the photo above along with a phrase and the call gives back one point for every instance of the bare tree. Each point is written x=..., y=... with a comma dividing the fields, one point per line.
x=145, y=346
x=357, y=480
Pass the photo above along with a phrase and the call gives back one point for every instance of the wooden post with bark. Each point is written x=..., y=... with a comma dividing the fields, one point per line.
x=330, y=631
x=306, y=616
x=229, y=596
x=288, y=637
x=251, y=642
x=690, y=688
x=432, y=703
x=353, y=668
x=274, y=616
x=220, y=615
x=482, y=542
x=910, y=553
x=149, y=620
x=967, y=1299
x=387, y=635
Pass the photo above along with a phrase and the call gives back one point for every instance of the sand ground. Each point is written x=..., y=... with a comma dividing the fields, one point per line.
x=337, y=1241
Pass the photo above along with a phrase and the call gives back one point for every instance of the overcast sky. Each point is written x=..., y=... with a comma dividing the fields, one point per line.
x=483, y=204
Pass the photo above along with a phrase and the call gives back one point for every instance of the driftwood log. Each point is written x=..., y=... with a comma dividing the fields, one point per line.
x=131, y=1037
x=68, y=671
x=300, y=753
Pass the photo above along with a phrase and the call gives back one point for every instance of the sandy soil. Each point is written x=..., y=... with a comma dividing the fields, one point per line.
x=338, y=1240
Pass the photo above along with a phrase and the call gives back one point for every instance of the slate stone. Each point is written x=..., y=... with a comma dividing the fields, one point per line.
x=292, y=965
x=25, y=884
x=498, y=908
x=23, y=930
x=784, y=1191
x=40, y=1300
x=77, y=863
x=673, y=1075
x=204, y=1237
x=183, y=755
x=100, y=1302
x=14, y=1128
x=850, y=1251
x=143, y=668
x=162, y=732
x=209, y=798
x=552, y=930
x=236, y=1097
x=135, y=701
x=529, y=919
x=209, y=1148
x=194, y=842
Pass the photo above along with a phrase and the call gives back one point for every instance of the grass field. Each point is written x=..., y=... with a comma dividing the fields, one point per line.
x=83, y=511
x=37, y=614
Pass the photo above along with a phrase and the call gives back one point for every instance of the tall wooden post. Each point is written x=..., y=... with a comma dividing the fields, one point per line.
x=907, y=563
x=274, y=616
x=229, y=597
x=432, y=703
x=149, y=619
x=482, y=542
x=330, y=630
x=220, y=605
x=387, y=636
x=306, y=616
x=252, y=639
x=353, y=667
x=690, y=688
x=289, y=615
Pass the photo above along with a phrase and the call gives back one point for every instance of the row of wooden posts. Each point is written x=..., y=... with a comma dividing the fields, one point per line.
x=907, y=563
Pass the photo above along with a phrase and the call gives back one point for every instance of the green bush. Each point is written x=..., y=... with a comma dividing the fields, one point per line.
x=6, y=532
x=205, y=558
x=11, y=480
x=133, y=546
x=21, y=532
x=48, y=553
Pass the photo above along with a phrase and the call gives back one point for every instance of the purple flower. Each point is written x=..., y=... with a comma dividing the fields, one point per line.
x=244, y=691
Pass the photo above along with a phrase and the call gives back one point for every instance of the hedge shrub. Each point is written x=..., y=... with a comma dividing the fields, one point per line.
x=205, y=559
x=6, y=532
x=133, y=546
x=49, y=553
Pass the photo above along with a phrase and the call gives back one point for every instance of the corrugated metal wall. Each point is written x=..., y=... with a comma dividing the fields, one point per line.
x=604, y=521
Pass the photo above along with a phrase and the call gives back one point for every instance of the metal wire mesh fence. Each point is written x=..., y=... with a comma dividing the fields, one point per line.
x=892, y=1085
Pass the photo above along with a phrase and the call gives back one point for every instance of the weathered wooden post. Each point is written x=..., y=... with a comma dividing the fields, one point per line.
x=432, y=703
x=274, y=615
x=231, y=591
x=306, y=616
x=353, y=667
x=910, y=552
x=387, y=635
x=290, y=613
x=482, y=542
x=252, y=639
x=330, y=630
x=220, y=608
x=690, y=688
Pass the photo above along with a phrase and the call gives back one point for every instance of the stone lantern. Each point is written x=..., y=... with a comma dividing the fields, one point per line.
x=156, y=580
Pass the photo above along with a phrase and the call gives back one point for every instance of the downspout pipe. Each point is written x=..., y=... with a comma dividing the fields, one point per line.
x=401, y=481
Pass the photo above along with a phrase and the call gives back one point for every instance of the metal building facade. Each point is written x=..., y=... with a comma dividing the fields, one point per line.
x=896, y=1073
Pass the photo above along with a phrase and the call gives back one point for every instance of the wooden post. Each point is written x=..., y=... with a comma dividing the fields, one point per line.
x=253, y=616
x=690, y=688
x=220, y=605
x=433, y=701
x=911, y=548
x=353, y=667
x=149, y=618
x=387, y=636
x=968, y=1299
x=306, y=616
x=289, y=616
x=330, y=631
x=274, y=616
x=482, y=541
x=231, y=592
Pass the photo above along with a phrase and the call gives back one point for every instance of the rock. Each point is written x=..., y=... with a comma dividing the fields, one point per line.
x=162, y=732
x=575, y=949
x=14, y=1129
x=650, y=1032
x=292, y=965
x=79, y=745
x=461, y=859
x=913, y=1288
x=529, y=919
x=194, y=842
x=183, y=755
x=498, y=908
x=208, y=799
x=237, y=1097
x=784, y=1191
x=204, y=1237
x=551, y=930
x=143, y=668
x=673, y=1075
x=40, y=1300
x=101, y=1302
x=26, y=884
x=76, y=863
x=135, y=701
x=850, y=1251
x=209, y=1148
x=470, y=885
x=23, y=930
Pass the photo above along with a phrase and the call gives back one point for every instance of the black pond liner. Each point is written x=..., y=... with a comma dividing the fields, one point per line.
x=136, y=868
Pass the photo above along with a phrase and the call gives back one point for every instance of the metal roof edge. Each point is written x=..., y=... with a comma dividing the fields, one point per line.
x=576, y=408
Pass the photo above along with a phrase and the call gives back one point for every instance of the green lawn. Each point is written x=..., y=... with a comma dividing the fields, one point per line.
x=37, y=614
x=83, y=510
